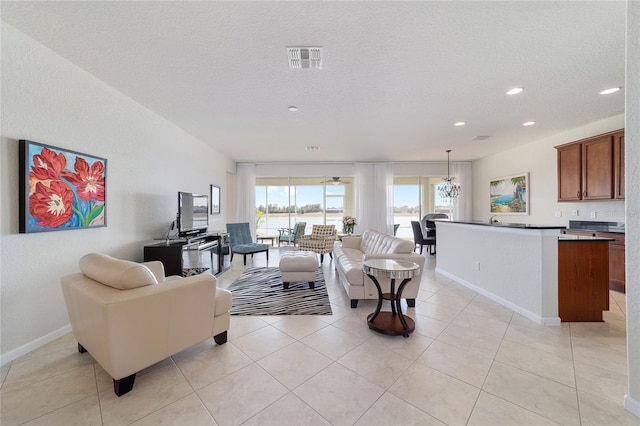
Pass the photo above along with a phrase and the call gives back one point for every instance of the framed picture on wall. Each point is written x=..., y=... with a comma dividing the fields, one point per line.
x=215, y=199
x=60, y=189
x=509, y=195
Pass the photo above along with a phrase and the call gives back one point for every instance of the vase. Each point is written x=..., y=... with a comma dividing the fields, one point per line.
x=347, y=229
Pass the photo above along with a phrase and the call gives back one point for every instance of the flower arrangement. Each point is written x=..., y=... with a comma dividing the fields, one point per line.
x=348, y=223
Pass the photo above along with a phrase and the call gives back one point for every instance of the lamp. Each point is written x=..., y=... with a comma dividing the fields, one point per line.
x=449, y=188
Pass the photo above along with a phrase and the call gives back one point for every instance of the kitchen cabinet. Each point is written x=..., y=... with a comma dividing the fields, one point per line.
x=616, y=262
x=618, y=165
x=583, y=292
x=570, y=172
x=616, y=256
x=587, y=168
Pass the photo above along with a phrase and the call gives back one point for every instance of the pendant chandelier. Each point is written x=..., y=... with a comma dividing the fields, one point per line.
x=449, y=188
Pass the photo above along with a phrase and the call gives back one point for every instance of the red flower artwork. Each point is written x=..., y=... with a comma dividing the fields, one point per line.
x=88, y=180
x=51, y=205
x=58, y=196
x=47, y=166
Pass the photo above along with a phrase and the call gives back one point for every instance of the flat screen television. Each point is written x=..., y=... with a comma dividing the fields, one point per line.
x=193, y=214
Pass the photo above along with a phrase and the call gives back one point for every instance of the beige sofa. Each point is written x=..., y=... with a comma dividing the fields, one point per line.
x=350, y=254
x=129, y=317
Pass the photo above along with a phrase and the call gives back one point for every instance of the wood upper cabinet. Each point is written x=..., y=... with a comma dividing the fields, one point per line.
x=570, y=172
x=618, y=165
x=597, y=168
x=587, y=169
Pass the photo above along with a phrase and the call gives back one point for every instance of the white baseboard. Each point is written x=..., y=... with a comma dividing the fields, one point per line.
x=520, y=310
x=632, y=405
x=34, y=344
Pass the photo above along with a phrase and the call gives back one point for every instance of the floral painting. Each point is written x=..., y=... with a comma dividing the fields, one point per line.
x=60, y=189
x=509, y=195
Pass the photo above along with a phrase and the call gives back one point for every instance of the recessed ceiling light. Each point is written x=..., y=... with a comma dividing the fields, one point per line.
x=293, y=108
x=610, y=91
x=460, y=123
x=312, y=148
x=515, y=91
x=528, y=123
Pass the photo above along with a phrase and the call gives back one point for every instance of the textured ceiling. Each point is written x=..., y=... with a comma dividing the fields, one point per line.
x=395, y=77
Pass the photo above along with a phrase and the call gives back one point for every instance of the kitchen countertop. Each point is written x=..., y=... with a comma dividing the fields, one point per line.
x=506, y=224
x=586, y=225
x=581, y=238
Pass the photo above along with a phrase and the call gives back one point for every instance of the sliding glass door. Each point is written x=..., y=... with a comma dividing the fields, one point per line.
x=414, y=197
x=281, y=202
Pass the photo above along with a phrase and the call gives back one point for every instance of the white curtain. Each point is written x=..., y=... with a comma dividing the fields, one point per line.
x=246, y=190
x=374, y=196
x=463, y=205
x=384, y=183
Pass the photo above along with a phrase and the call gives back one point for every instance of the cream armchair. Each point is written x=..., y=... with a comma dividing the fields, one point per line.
x=320, y=240
x=129, y=317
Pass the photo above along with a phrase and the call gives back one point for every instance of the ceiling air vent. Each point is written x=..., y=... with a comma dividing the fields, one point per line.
x=480, y=138
x=305, y=57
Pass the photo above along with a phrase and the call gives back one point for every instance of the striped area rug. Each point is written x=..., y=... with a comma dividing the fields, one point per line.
x=258, y=291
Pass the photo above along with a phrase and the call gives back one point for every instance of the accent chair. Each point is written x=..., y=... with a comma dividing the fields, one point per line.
x=128, y=316
x=292, y=236
x=320, y=240
x=242, y=242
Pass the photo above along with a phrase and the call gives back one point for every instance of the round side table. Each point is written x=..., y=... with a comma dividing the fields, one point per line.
x=393, y=323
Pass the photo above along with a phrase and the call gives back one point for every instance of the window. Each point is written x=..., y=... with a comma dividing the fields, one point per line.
x=414, y=197
x=281, y=202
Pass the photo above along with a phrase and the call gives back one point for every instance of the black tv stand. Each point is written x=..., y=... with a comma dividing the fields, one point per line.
x=192, y=236
x=176, y=255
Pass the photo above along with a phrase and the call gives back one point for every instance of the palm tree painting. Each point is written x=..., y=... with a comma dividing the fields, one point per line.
x=508, y=195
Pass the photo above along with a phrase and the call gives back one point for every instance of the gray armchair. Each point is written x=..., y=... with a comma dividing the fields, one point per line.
x=291, y=236
x=241, y=241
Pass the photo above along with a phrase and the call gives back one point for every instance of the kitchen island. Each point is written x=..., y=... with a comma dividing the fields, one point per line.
x=583, y=277
x=515, y=265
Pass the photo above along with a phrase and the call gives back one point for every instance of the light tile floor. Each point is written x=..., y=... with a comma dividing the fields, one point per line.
x=470, y=361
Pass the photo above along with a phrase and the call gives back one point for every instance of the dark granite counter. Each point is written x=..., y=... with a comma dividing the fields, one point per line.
x=586, y=225
x=582, y=238
x=508, y=225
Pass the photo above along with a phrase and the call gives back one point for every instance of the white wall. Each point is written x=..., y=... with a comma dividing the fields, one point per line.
x=632, y=193
x=517, y=268
x=539, y=159
x=47, y=99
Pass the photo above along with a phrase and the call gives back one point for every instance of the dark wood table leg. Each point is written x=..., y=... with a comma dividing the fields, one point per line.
x=373, y=316
x=220, y=254
x=393, y=323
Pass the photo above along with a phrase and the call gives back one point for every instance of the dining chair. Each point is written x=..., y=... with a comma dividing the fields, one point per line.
x=429, y=228
x=421, y=240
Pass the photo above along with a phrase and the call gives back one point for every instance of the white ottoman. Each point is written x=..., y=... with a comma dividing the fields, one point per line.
x=297, y=266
